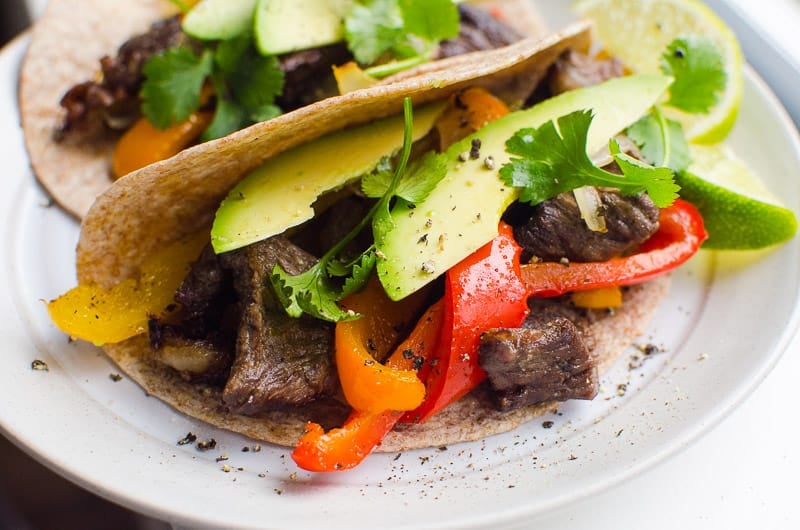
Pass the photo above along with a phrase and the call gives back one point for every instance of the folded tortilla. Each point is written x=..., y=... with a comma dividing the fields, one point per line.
x=66, y=45
x=167, y=201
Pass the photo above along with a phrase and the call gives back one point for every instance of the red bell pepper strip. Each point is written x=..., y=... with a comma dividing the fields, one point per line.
x=483, y=291
x=345, y=447
x=678, y=238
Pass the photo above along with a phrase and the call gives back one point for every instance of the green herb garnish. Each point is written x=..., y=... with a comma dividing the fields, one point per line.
x=318, y=290
x=553, y=160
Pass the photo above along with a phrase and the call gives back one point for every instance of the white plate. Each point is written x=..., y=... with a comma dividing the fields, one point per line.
x=723, y=327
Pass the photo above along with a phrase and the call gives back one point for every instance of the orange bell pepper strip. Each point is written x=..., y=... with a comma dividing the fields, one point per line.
x=347, y=446
x=678, y=238
x=483, y=291
x=361, y=344
x=467, y=112
x=144, y=144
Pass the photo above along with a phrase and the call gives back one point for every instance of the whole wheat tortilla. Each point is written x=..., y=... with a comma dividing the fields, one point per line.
x=66, y=45
x=167, y=201
x=471, y=418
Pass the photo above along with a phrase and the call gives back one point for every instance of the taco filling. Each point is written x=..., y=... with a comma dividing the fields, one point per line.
x=343, y=279
x=182, y=82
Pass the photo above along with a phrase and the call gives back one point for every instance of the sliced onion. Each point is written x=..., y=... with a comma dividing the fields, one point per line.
x=591, y=207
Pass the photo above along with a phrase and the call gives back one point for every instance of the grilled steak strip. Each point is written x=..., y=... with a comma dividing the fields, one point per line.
x=280, y=360
x=479, y=30
x=113, y=102
x=577, y=70
x=554, y=229
x=545, y=360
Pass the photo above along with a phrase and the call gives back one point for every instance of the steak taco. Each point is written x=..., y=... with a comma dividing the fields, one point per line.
x=398, y=263
x=108, y=88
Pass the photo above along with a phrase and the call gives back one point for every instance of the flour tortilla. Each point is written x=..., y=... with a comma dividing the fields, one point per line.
x=170, y=200
x=67, y=43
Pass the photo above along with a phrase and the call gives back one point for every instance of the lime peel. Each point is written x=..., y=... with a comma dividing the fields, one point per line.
x=638, y=31
x=739, y=212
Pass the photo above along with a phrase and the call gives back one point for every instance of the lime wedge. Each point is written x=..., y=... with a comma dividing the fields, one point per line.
x=738, y=210
x=638, y=32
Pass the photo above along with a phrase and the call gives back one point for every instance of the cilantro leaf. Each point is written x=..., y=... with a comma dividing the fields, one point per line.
x=173, y=80
x=256, y=80
x=246, y=84
x=697, y=66
x=373, y=28
x=376, y=183
x=359, y=272
x=432, y=20
x=317, y=290
x=554, y=160
x=404, y=28
x=228, y=117
x=414, y=185
x=661, y=140
x=310, y=292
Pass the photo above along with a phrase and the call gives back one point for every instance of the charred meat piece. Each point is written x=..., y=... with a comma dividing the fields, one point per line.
x=545, y=360
x=554, y=229
x=308, y=75
x=280, y=361
x=205, y=295
x=576, y=70
x=479, y=31
x=113, y=102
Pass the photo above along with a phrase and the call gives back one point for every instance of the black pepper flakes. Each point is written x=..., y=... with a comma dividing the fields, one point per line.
x=39, y=365
x=547, y=424
x=188, y=439
x=115, y=377
x=207, y=445
x=475, y=149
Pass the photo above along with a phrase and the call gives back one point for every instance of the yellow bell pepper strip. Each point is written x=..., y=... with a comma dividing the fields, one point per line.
x=600, y=298
x=144, y=143
x=361, y=344
x=347, y=446
x=102, y=316
x=678, y=238
x=483, y=291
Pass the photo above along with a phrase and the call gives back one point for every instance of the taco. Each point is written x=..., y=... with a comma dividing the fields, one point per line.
x=76, y=107
x=164, y=205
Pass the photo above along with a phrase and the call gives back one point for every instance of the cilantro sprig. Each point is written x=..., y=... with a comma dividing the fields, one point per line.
x=552, y=159
x=245, y=83
x=696, y=65
x=405, y=30
x=318, y=290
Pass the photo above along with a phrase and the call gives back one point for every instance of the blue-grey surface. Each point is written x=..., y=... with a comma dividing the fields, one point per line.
x=765, y=55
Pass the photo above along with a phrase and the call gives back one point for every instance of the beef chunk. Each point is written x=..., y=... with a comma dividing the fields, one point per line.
x=205, y=295
x=479, y=31
x=280, y=360
x=554, y=229
x=308, y=75
x=544, y=360
x=576, y=70
x=113, y=102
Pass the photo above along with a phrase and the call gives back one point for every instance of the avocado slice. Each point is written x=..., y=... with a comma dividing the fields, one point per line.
x=219, y=19
x=283, y=26
x=463, y=211
x=279, y=194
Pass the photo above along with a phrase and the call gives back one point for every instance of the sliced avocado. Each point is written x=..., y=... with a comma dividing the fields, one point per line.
x=280, y=194
x=283, y=26
x=463, y=211
x=220, y=19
